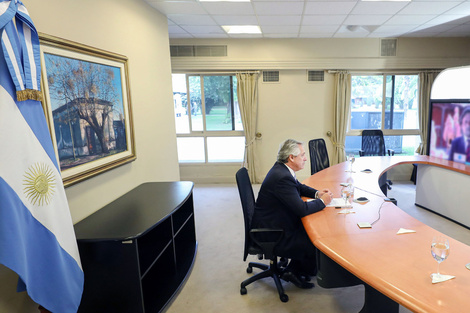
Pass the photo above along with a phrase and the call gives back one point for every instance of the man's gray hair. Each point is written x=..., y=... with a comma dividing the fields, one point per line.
x=288, y=147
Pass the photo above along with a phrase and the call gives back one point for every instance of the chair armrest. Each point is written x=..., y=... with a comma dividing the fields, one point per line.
x=391, y=152
x=266, y=246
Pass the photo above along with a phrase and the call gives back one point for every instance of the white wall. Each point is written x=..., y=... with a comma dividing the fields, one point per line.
x=294, y=108
x=131, y=28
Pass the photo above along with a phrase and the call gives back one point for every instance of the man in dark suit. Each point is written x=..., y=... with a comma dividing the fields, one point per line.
x=279, y=205
x=460, y=147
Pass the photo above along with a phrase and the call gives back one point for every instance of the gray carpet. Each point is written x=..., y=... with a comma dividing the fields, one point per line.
x=214, y=283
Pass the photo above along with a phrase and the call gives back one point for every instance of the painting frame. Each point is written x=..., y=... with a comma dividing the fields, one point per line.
x=98, y=147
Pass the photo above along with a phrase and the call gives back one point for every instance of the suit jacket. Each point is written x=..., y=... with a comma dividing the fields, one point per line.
x=279, y=205
x=457, y=146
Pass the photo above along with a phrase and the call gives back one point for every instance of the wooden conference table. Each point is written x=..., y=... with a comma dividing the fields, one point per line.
x=398, y=266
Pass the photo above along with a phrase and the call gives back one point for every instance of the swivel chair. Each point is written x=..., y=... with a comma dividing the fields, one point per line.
x=373, y=144
x=318, y=155
x=253, y=244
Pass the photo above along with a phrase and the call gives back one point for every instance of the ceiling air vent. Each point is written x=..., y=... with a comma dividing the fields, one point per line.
x=388, y=47
x=270, y=76
x=198, y=51
x=315, y=76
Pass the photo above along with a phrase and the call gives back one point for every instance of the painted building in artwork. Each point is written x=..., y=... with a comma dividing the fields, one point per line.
x=76, y=137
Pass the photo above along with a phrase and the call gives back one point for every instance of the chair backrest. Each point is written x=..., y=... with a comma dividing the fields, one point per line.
x=247, y=199
x=318, y=155
x=373, y=143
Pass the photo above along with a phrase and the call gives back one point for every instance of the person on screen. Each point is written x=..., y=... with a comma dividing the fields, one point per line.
x=279, y=205
x=460, y=147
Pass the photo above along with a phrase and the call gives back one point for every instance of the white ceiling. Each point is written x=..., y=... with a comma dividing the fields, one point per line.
x=318, y=18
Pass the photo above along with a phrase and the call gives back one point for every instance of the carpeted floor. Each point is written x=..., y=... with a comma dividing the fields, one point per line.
x=214, y=283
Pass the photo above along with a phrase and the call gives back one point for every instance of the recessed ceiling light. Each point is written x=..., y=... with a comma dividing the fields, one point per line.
x=242, y=29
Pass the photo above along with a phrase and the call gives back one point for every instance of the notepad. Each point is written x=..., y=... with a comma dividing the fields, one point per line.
x=338, y=203
x=364, y=225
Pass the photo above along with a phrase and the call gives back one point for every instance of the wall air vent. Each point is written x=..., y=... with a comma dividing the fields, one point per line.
x=270, y=76
x=315, y=76
x=388, y=47
x=198, y=51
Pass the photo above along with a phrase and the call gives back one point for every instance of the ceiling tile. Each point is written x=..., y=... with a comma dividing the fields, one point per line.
x=230, y=8
x=279, y=20
x=429, y=7
x=329, y=7
x=235, y=19
x=204, y=29
x=280, y=29
x=278, y=8
x=366, y=19
x=187, y=19
x=372, y=7
x=179, y=8
x=409, y=19
x=323, y=19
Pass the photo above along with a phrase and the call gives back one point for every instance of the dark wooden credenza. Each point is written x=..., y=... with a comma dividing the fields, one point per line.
x=137, y=251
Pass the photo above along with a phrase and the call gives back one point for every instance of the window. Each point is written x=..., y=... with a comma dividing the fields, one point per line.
x=386, y=102
x=207, y=116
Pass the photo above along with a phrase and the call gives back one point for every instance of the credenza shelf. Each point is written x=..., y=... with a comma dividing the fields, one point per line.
x=137, y=251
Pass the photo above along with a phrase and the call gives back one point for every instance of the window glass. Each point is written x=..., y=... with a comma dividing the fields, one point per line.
x=401, y=109
x=190, y=149
x=401, y=145
x=180, y=103
x=396, y=113
x=195, y=103
x=207, y=118
x=225, y=149
x=366, y=102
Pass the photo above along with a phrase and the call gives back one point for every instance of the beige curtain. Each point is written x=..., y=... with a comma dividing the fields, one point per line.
x=247, y=92
x=342, y=100
x=426, y=80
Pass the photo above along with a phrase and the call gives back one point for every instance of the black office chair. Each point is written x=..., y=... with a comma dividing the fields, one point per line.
x=318, y=155
x=373, y=144
x=253, y=244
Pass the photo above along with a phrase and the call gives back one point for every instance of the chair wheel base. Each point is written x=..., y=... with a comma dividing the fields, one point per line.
x=249, y=270
x=284, y=297
x=243, y=291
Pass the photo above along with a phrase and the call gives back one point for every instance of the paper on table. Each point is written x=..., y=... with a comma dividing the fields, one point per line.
x=405, y=231
x=346, y=211
x=339, y=203
x=440, y=278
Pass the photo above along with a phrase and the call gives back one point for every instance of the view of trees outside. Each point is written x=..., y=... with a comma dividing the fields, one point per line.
x=401, y=108
x=212, y=99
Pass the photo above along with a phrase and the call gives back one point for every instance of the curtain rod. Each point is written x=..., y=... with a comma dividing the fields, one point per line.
x=398, y=71
x=216, y=72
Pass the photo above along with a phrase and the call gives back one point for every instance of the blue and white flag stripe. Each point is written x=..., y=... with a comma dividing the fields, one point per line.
x=37, y=239
x=17, y=157
x=24, y=67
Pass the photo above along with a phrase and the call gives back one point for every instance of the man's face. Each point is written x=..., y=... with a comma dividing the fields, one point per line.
x=466, y=125
x=298, y=162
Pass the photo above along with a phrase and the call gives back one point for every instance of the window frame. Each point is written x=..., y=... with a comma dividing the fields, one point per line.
x=204, y=133
x=386, y=132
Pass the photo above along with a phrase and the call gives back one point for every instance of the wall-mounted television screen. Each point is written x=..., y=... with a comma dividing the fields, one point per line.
x=449, y=130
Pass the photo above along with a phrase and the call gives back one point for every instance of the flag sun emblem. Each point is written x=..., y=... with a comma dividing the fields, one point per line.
x=39, y=184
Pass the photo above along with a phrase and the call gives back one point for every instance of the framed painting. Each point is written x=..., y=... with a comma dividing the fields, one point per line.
x=88, y=107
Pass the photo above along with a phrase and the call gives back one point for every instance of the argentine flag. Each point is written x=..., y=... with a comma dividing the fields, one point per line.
x=37, y=239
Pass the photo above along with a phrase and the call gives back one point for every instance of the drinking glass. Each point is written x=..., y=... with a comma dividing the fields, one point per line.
x=351, y=160
x=346, y=193
x=440, y=251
